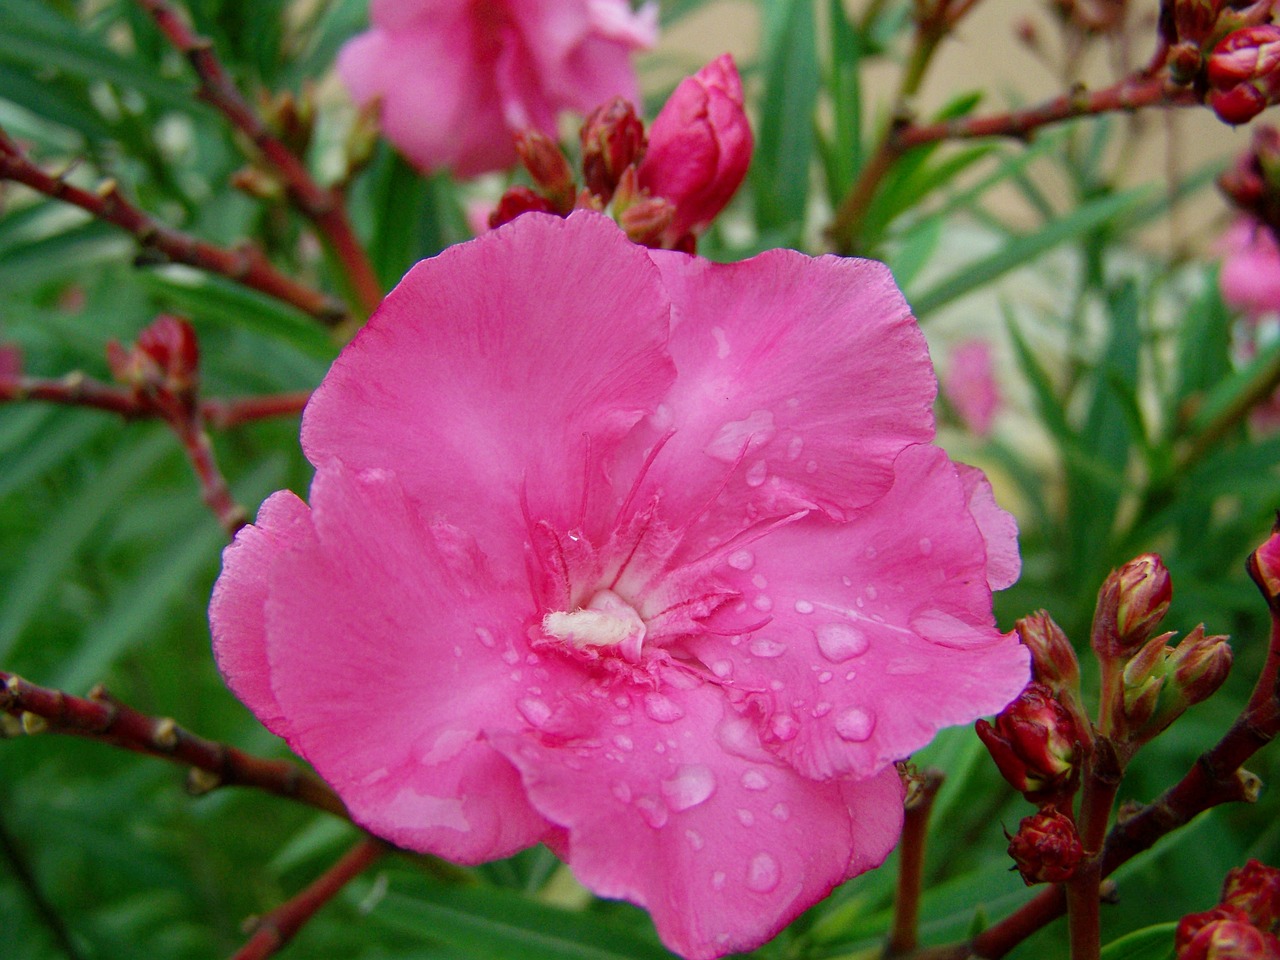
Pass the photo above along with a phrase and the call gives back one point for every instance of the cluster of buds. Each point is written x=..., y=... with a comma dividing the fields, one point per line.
x=1229, y=50
x=1252, y=183
x=665, y=188
x=1242, y=926
x=163, y=365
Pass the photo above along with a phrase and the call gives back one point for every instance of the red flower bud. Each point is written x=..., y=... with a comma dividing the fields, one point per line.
x=1255, y=889
x=699, y=148
x=1033, y=742
x=612, y=140
x=1242, y=73
x=515, y=201
x=1264, y=567
x=1230, y=940
x=165, y=358
x=1046, y=848
x=1193, y=923
x=1132, y=602
x=548, y=168
x=1053, y=659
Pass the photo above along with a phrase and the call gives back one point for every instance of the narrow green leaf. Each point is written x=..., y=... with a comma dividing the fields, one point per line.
x=844, y=86
x=62, y=255
x=53, y=439
x=1020, y=250
x=1151, y=943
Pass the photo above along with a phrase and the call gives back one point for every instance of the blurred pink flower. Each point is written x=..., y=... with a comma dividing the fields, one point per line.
x=459, y=78
x=970, y=385
x=699, y=148
x=1250, y=277
x=644, y=557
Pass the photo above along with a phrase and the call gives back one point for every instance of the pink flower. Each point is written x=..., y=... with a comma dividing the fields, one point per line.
x=458, y=78
x=970, y=386
x=1250, y=277
x=699, y=147
x=644, y=557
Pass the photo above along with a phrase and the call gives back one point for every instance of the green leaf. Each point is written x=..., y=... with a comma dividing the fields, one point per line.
x=1152, y=943
x=495, y=924
x=1022, y=249
x=784, y=147
x=844, y=86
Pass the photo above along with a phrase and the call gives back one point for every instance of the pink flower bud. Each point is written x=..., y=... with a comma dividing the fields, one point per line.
x=1231, y=940
x=612, y=140
x=1198, y=666
x=1160, y=682
x=1255, y=889
x=699, y=147
x=1046, y=848
x=166, y=357
x=1132, y=602
x=548, y=168
x=1033, y=742
x=1053, y=659
x=515, y=201
x=1242, y=73
x=1264, y=567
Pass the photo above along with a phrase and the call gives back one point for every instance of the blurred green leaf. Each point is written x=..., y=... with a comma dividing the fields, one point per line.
x=1150, y=943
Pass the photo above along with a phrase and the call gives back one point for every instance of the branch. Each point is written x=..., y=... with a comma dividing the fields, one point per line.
x=245, y=265
x=278, y=927
x=904, y=937
x=324, y=208
x=102, y=718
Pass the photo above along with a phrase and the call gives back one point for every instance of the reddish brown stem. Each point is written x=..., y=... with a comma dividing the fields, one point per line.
x=245, y=265
x=324, y=208
x=1131, y=93
x=278, y=927
x=904, y=937
x=100, y=717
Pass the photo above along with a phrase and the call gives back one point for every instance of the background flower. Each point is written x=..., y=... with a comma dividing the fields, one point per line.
x=602, y=552
x=458, y=78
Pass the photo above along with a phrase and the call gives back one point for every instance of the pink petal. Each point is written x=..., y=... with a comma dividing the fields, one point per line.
x=680, y=809
x=237, y=612
x=799, y=381
x=504, y=364
x=970, y=385
x=391, y=646
x=881, y=629
x=998, y=528
x=1250, y=277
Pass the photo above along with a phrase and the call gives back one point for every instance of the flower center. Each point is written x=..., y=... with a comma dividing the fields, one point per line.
x=606, y=621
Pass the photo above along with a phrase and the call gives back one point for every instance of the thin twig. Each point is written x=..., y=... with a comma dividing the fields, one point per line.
x=904, y=937
x=277, y=928
x=245, y=264
x=324, y=208
x=102, y=718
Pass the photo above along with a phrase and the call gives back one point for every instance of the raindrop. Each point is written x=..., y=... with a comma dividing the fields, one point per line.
x=784, y=727
x=780, y=812
x=457, y=651
x=484, y=636
x=692, y=785
x=811, y=466
x=717, y=880
x=855, y=725
x=762, y=603
x=741, y=559
x=623, y=742
x=794, y=446
x=804, y=606
x=926, y=546
x=823, y=677
x=739, y=436
x=746, y=817
x=622, y=791
x=654, y=811
x=511, y=656
x=722, y=668
x=662, y=708
x=695, y=839
x=765, y=648
x=756, y=473
x=621, y=720
x=722, y=342
x=762, y=874
x=851, y=674
x=759, y=581
x=535, y=711
x=839, y=642
x=847, y=581
x=871, y=592
x=821, y=710
x=755, y=780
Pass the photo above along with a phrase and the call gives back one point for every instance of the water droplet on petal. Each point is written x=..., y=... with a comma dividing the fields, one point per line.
x=654, y=811
x=811, y=466
x=484, y=636
x=662, y=708
x=756, y=473
x=741, y=559
x=794, y=446
x=820, y=710
x=762, y=603
x=511, y=655
x=926, y=546
x=735, y=736
x=766, y=648
x=780, y=812
x=722, y=668
x=623, y=742
x=622, y=791
x=871, y=592
x=762, y=874
x=755, y=780
x=855, y=725
x=692, y=785
x=750, y=433
x=621, y=719
x=745, y=817
x=759, y=582
x=722, y=342
x=804, y=606
x=823, y=677
x=784, y=727
x=717, y=880
x=695, y=839
x=535, y=711
x=839, y=641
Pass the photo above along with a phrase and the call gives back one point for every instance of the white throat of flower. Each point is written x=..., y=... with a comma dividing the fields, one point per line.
x=607, y=621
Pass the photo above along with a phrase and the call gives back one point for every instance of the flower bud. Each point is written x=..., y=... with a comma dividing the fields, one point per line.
x=1033, y=742
x=1242, y=73
x=1255, y=889
x=1132, y=602
x=1194, y=20
x=515, y=201
x=1193, y=923
x=1160, y=682
x=1046, y=848
x=699, y=148
x=1264, y=567
x=1227, y=939
x=166, y=357
x=612, y=140
x=1053, y=659
x=550, y=171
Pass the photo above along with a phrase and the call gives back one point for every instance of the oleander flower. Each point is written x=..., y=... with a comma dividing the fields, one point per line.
x=457, y=79
x=1250, y=276
x=644, y=557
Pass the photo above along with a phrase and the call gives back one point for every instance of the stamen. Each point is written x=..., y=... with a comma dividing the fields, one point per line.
x=644, y=470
